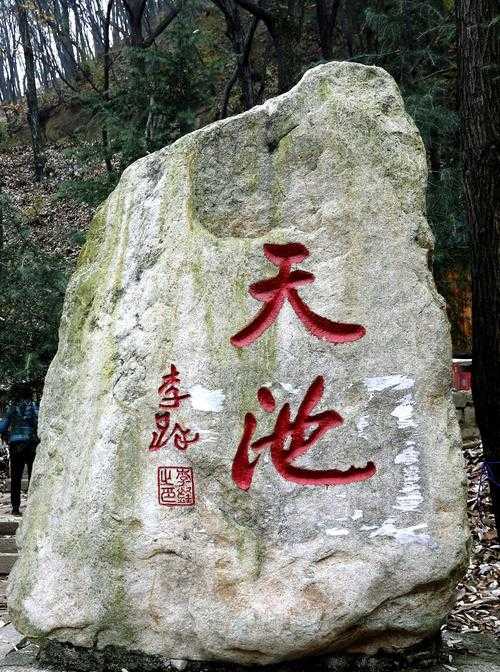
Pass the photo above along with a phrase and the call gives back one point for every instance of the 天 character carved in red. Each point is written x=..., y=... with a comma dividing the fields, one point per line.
x=283, y=458
x=171, y=398
x=283, y=287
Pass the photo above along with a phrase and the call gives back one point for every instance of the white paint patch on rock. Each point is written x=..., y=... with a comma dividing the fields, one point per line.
x=403, y=535
x=203, y=399
x=207, y=436
x=404, y=412
x=397, y=382
x=410, y=495
x=289, y=388
x=409, y=455
x=337, y=532
x=362, y=423
x=177, y=664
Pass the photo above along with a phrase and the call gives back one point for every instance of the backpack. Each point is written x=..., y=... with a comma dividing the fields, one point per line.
x=24, y=422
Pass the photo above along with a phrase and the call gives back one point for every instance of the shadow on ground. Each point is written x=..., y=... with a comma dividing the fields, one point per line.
x=471, y=652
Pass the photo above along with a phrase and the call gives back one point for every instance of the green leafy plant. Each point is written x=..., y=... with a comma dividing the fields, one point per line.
x=91, y=191
x=415, y=43
x=33, y=286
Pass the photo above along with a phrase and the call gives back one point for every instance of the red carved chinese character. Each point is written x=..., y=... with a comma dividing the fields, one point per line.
x=160, y=438
x=171, y=398
x=283, y=458
x=275, y=291
x=181, y=437
x=175, y=486
x=169, y=390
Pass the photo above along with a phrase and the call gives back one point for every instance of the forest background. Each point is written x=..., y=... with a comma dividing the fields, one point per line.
x=89, y=86
x=100, y=84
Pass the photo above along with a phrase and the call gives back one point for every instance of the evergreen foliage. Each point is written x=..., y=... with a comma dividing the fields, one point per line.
x=33, y=286
x=148, y=89
x=91, y=191
x=415, y=43
x=157, y=102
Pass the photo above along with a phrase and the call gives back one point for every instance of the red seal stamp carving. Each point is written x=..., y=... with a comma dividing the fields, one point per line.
x=175, y=486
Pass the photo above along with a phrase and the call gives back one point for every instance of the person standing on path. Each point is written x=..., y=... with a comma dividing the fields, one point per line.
x=21, y=422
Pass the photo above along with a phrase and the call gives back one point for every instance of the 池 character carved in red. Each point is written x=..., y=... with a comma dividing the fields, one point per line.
x=181, y=437
x=175, y=486
x=283, y=287
x=282, y=457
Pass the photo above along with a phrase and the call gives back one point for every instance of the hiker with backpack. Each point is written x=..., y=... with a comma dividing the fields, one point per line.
x=21, y=421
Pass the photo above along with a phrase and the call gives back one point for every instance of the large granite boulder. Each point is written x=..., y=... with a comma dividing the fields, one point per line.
x=258, y=474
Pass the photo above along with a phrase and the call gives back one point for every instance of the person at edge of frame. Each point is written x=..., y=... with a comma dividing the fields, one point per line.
x=21, y=421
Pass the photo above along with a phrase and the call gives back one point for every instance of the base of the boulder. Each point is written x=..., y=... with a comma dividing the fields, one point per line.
x=114, y=659
x=471, y=652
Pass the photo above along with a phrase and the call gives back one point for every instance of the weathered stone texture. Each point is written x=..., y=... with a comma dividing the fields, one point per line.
x=283, y=570
x=466, y=415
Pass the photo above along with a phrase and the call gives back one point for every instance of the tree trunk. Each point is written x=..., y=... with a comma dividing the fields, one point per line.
x=62, y=38
x=241, y=42
x=39, y=38
x=4, y=95
x=1, y=225
x=407, y=46
x=284, y=21
x=286, y=35
x=346, y=32
x=135, y=12
x=478, y=57
x=4, y=68
x=96, y=19
x=84, y=50
x=13, y=81
x=10, y=44
x=116, y=23
x=31, y=95
x=326, y=17
x=288, y=61
x=106, y=93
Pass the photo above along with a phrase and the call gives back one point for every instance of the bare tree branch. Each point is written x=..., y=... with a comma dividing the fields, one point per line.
x=162, y=25
x=256, y=10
